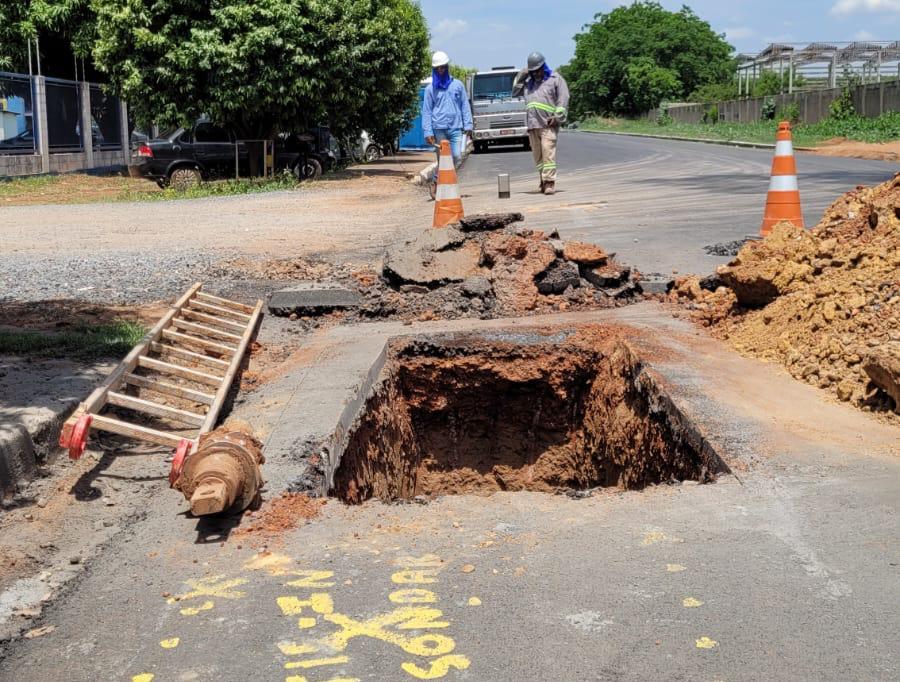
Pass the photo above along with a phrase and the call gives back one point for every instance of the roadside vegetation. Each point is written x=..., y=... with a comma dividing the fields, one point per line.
x=113, y=339
x=79, y=188
x=858, y=128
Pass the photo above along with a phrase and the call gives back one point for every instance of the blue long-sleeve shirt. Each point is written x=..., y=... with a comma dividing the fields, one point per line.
x=446, y=109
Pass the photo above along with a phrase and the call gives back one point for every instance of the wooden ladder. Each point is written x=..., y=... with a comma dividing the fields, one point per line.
x=196, y=350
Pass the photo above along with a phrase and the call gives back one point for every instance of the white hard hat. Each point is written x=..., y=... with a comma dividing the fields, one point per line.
x=439, y=59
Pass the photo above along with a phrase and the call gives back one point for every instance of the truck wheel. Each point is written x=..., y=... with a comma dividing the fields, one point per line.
x=184, y=178
x=480, y=147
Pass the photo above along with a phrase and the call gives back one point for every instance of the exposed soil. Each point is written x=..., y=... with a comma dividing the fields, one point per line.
x=877, y=151
x=282, y=514
x=825, y=303
x=55, y=315
x=71, y=188
x=543, y=411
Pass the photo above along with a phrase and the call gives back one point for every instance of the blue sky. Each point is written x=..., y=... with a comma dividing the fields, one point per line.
x=484, y=33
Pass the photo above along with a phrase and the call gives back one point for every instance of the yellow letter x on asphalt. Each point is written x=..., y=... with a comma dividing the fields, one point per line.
x=408, y=617
x=213, y=586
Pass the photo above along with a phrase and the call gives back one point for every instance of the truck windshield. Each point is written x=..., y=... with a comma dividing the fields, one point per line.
x=492, y=86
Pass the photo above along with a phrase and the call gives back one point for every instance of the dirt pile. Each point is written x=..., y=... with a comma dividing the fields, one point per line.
x=485, y=266
x=825, y=303
x=488, y=266
x=282, y=514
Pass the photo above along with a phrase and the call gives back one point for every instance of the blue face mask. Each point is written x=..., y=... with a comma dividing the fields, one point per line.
x=547, y=73
x=441, y=82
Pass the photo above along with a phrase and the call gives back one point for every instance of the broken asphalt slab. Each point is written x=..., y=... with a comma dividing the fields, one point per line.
x=308, y=298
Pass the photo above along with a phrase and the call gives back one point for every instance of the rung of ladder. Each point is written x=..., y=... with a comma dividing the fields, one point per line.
x=104, y=423
x=178, y=371
x=210, y=308
x=210, y=319
x=174, y=351
x=224, y=302
x=199, y=343
x=149, y=407
x=203, y=330
x=169, y=389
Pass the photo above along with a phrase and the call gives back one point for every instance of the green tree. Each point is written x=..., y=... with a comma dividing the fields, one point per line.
x=770, y=83
x=714, y=92
x=461, y=73
x=631, y=58
x=264, y=65
x=68, y=22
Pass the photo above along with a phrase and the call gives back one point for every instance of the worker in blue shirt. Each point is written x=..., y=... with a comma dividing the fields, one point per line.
x=446, y=114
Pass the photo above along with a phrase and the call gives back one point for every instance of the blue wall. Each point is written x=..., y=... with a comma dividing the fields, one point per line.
x=414, y=138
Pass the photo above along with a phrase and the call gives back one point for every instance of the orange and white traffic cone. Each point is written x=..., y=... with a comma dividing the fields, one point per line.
x=783, y=201
x=448, y=206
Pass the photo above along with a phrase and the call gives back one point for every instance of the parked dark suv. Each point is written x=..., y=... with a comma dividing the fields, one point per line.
x=205, y=151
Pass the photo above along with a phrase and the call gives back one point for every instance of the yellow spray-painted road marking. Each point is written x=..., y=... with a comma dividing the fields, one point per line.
x=474, y=601
x=319, y=602
x=675, y=568
x=306, y=623
x=414, y=595
x=213, y=586
x=170, y=643
x=706, y=643
x=316, y=662
x=194, y=610
x=419, y=577
x=143, y=677
x=300, y=678
x=294, y=649
x=404, y=618
x=438, y=668
x=691, y=603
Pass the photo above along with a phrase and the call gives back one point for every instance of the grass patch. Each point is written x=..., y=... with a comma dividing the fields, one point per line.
x=14, y=186
x=882, y=129
x=85, y=341
x=216, y=188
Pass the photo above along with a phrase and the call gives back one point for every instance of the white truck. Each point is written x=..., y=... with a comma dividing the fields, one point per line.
x=499, y=117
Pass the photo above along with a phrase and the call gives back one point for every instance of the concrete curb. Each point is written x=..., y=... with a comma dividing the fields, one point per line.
x=24, y=445
x=726, y=143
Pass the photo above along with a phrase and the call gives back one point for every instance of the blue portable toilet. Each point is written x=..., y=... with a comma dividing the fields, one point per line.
x=414, y=138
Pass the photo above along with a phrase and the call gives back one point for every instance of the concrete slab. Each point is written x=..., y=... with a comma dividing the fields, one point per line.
x=312, y=297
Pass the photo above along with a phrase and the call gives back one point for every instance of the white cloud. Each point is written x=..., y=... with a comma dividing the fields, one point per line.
x=863, y=35
x=447, y=29
x=853, y=6
x=739, y=33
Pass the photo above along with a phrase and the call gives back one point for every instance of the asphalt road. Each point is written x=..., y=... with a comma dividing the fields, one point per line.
x=657, y=203
x=788, y=573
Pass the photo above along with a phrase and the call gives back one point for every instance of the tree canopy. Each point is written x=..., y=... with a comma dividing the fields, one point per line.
x=628, y=60
x=255, y=65
x=264, y=65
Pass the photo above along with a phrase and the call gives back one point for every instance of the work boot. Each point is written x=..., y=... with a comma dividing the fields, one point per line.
x=432, y=189
x=549, y=188
x=541, y=188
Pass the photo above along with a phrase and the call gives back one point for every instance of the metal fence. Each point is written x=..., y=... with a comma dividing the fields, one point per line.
x=63, y=115
x=16, y=114
x=69, y=106
x=106, y=117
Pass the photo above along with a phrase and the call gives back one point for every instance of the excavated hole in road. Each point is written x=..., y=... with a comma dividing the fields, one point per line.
x=542, y=411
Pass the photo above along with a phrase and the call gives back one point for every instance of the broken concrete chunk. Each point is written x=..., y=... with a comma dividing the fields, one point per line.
x=605, y=276
x=434, y=258
x=312, y=298
x=477, y=287
x=584, y=254
x=655, y=285
x=488, y=221
x=558, y=277
x=883, y=368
